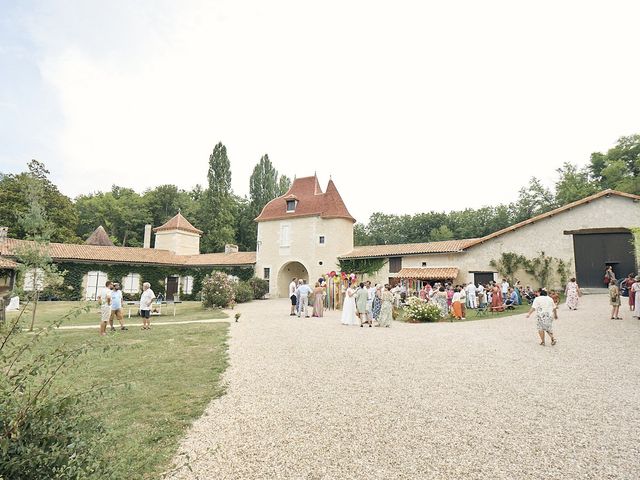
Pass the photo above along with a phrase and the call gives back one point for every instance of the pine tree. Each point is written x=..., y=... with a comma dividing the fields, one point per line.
x=217, y=210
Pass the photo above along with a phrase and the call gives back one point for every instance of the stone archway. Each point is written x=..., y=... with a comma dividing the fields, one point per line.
x=286, y=273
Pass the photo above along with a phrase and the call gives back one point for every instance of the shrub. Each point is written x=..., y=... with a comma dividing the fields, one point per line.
x=260, y=287
x=243, y=292
x=420, y=311
x=45, y=432
x=217, y=290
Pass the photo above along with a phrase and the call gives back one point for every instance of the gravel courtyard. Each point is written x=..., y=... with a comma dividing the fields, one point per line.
x=313, y=399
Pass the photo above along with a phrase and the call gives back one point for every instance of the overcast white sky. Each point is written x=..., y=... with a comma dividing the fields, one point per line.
x=409, y=105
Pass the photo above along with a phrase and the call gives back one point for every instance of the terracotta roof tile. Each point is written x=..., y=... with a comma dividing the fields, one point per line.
x=178, y=222
x=7, y=263
x=132, y=255
x=311, y=202
x=446, y=246
x=99, y=237
x=551, y=213
x=429, y=273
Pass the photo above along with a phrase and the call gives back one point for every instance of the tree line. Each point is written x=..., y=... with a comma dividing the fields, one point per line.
x=226, y=217
x=618, y=169
x=223, y=216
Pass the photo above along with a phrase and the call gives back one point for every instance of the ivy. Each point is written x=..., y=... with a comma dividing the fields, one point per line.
x=367, y=266
x=154, y=274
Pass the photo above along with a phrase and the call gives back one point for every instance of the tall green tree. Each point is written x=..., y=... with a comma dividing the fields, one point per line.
x=164, y=201
x=533, y=200
x=619, y=168
x=15, y=203
x=284, y=184
x=263, y=184
x=217, y=207
x=573, y=184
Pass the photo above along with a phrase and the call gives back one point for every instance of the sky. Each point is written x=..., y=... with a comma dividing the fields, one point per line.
x=409, y=106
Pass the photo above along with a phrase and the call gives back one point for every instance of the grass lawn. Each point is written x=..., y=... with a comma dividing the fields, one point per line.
x=48, y=311
x=172, y=373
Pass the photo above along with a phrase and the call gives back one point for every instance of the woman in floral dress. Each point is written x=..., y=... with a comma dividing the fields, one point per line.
x=376, y=306
x=573, y=293
x=545, y=309
x=496, y=299
x=386, y=311
x=440, y=299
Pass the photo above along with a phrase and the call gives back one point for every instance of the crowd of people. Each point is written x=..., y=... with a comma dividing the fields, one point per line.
x=111, y=306
x=628, y=287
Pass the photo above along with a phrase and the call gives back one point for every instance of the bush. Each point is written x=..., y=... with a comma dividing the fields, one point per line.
x=243, y=292
x=45, y=432
x=418, y=310
x=217, y=290
x=260, y=287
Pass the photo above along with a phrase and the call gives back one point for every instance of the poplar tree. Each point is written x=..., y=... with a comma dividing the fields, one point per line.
x=217, y=211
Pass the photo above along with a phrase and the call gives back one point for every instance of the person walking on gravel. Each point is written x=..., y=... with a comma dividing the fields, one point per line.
x=614, y=301
x=545, y=309
x=292, y=296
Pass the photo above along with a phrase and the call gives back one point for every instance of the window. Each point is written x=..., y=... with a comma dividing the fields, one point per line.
x=291, y=205
x=395, y=264
x=284, y=235
x=34, y=280
x=321, y=239
x=95, y=284
x=424, y=264
x=131, y=283
x=186, y=283
x=266, y=273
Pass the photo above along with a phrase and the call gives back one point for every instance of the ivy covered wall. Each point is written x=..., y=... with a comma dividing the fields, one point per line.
x=72, y=288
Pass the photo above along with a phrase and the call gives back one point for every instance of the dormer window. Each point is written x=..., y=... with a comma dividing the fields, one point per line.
x=291, y=206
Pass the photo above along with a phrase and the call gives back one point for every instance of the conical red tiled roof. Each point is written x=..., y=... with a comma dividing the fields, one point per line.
x=178, y=223
x=99, y=237
x=311, y=201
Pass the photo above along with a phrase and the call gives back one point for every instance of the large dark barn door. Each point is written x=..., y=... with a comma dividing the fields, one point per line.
x=595, y=250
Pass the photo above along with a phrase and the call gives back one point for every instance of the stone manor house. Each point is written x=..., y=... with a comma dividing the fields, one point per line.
x=307, y=231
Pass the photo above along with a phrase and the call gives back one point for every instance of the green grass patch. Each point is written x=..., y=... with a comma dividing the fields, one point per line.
x=164, y=378
x=46, y=312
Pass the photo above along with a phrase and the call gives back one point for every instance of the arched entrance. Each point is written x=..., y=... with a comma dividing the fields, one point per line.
x=286, y=273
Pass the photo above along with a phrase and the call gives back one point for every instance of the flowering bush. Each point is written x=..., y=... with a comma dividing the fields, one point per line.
x=420, y=311
x=243, y=292
x=218, y=290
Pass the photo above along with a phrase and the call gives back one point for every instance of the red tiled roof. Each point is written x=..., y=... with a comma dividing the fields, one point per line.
x=178, y=222
x=8, y=264
x=446, y=246
x=99, y=237
x=569, y=206
x=429, y=273
x=311, y=201
x=132, y=255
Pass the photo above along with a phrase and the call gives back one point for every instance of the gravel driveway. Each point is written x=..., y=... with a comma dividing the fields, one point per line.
x=313, y=399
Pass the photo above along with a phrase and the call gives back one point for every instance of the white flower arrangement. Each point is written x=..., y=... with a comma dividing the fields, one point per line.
x=422, y=311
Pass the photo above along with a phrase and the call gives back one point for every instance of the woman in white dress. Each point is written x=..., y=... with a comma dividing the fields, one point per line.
x=349, y=308
x=545, y=309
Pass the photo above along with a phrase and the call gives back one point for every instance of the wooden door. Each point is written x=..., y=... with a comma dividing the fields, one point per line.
x=172, y=287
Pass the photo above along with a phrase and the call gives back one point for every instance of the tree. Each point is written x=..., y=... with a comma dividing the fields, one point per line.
x=619, y=168
x=263, y=184
x=441, y=233
x=14, y=203
x=532, y=200
x=216, y=212
x=573, y=184
x=284, y=184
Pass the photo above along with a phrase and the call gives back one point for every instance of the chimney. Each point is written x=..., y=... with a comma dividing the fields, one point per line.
x=147, y=236
x=230, y=248
x=3, y=234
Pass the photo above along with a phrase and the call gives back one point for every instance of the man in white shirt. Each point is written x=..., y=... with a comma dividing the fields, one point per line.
x=505, y=289
x=146, y=299
x=371, y=293
x=105, y=307
x=303, y=293
x=471, y=295
x=292, y=296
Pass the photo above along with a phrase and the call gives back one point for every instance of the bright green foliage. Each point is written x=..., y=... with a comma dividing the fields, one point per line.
x=243, y=292
x=15, y=203
x=574, y=183
x=532, y=200
x=164, y=201
x=217, y=290
x=441, y=233
x=540, y=268
x=217, y=208
x=44, y=430
x=508, y=264
x=619, y=168
x=284, y=184
x=259, y=286
x=366, y=266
